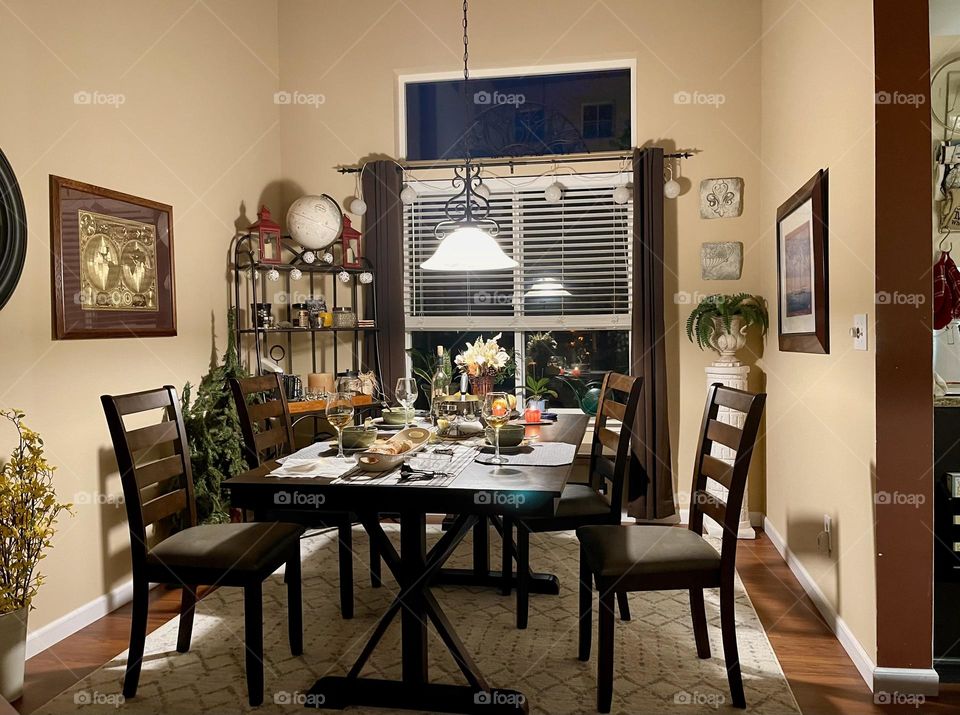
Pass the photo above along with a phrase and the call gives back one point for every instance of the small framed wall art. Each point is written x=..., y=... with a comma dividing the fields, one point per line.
x=112, y=263
x=802, y=276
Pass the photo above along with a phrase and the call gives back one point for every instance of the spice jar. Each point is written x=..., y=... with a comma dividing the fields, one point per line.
x=344, y=317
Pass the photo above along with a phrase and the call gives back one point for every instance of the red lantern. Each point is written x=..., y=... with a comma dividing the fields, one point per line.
x=350, y=256
x=268, y=232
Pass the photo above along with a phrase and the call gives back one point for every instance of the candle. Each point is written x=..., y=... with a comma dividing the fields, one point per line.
x=531, y=414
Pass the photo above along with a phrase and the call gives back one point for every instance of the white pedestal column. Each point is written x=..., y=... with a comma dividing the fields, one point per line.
x=732, y=376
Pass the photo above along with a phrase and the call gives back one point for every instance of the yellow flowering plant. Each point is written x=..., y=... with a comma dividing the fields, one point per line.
x=28, y=512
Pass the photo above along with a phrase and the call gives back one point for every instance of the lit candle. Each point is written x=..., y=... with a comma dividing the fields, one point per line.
x=531, y=414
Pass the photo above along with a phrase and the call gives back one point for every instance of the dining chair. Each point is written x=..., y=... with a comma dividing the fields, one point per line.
x=621, y=559
x=581, y=504
x=157, y=479
x=267, y=430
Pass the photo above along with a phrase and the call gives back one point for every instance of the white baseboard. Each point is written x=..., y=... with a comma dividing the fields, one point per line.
x=912, y=681
x=756, y=517
x=863, y=662
x=55, y=631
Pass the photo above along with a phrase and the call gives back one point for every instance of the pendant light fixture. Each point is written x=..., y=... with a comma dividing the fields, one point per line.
x=547, y=288
x=466, y=235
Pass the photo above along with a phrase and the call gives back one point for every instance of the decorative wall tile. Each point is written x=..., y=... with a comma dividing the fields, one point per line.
x=721, y=198
x=722, y=261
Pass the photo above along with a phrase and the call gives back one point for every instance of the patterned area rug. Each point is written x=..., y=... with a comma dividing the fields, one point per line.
x=657, y=669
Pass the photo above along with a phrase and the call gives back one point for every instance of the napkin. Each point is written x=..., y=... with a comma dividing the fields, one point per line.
x=307, y=468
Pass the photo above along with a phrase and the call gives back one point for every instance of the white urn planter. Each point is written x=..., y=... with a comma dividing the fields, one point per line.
x=728, y=342
x=13, y=651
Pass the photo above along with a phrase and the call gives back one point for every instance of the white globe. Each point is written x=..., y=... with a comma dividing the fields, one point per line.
x=314, y=221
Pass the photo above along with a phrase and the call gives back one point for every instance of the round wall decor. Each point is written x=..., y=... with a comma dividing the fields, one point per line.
x=13, y=231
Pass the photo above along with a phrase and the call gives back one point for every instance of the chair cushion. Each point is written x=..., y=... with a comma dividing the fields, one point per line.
x=618, y=551
x=227, y=547
x=581, y=500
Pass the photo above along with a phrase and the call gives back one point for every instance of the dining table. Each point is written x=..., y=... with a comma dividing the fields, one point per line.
x=475, y=495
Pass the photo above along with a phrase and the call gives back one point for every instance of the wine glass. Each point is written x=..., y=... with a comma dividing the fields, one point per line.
x=496, y=413
x=406, y=394
x=340, y=414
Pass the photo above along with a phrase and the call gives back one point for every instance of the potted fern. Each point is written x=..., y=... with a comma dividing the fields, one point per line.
x=28, y=512
x=720, y=322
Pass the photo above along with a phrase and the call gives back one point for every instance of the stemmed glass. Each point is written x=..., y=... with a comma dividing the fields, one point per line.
x=406, y=394
x=496, y=413
x=340, y=414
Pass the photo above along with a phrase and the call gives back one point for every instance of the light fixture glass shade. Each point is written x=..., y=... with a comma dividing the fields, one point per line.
x=468, y=249
x=547, y=288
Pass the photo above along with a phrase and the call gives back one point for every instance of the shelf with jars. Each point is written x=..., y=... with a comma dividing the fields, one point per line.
x=281, y=289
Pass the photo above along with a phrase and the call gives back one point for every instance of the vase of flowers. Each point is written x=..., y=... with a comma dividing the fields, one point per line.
x=28, y=512
x=485, y=363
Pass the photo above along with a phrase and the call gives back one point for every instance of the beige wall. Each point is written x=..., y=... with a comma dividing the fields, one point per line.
x=356, y=61
x=817, y=112
x=198, y=129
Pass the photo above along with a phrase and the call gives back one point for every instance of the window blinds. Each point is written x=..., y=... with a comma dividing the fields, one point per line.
x=583, y=241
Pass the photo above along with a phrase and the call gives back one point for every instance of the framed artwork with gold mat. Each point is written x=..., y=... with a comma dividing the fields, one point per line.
x=112, y=263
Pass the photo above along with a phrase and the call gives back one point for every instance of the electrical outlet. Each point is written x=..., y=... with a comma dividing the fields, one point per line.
x=825, y=537
x=859, y=331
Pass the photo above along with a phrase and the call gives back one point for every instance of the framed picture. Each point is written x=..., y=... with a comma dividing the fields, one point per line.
x=112, y=263
x=802, y=295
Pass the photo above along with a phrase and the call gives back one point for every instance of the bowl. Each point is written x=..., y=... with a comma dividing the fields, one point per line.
x=358, y=437
x=397, y=415
x=510, y=435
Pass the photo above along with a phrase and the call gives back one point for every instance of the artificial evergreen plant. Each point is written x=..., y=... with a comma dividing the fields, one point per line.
x=213, y=430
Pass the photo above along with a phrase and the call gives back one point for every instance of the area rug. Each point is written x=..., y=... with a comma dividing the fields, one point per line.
x=656, y=666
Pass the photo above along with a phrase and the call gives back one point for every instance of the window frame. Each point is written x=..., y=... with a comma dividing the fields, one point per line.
x=567, y=68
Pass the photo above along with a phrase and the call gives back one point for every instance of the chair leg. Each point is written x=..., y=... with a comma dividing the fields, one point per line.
x=346, y=570
x=188, y=602
x=586, y=609
x=138, y=636
x=376, y=577
x=253, y=636
x=506, y=557
x=624, y=605
x=294, y=602
x=523, y=575
x=728, y=627
x=699, y=622
x=605, y=653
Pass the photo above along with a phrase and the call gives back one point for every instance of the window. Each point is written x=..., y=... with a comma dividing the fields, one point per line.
x=517, y=114
x=583, y=241
x=597, y=121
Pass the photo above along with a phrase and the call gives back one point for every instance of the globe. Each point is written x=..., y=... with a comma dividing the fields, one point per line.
x=315, y=221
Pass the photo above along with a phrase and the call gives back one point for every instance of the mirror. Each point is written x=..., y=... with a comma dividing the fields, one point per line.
x=13, y=231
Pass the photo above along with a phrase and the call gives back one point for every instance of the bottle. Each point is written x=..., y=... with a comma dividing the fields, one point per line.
x=440, y=387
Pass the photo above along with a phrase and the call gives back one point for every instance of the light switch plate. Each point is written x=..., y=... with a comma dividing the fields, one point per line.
x=859, y=331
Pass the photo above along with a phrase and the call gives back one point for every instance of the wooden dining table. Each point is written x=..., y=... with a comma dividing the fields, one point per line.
x=476, y=495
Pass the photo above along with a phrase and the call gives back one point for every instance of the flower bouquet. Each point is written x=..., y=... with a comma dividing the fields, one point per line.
x=485, y=363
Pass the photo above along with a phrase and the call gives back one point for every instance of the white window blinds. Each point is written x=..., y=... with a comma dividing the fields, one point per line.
x=583, y=241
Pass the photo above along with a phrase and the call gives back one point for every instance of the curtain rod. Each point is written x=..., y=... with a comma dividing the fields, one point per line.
x=519, y=161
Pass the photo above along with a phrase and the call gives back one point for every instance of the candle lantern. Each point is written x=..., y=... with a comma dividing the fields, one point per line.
x=267, y=232
x=351, y=257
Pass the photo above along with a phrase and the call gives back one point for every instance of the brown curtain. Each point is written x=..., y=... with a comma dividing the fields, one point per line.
x=650, y=491
x=383, y=247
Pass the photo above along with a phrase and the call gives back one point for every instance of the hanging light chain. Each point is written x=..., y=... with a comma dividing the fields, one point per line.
x=466, y=41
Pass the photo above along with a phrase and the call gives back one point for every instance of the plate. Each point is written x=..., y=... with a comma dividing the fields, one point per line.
x=490, y=449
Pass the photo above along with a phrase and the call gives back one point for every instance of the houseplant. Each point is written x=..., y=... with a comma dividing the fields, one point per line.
x=28, y=512
x=213, y=431
x=721, y=322
x=485, y=363
x=537, y=389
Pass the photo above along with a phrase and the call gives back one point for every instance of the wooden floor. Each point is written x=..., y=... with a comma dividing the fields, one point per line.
x=823, y=678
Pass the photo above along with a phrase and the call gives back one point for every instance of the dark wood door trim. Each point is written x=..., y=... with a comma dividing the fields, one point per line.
x=904, y=403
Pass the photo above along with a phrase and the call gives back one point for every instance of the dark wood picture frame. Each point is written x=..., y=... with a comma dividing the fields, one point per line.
x=813, y=338
x=124, y=311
